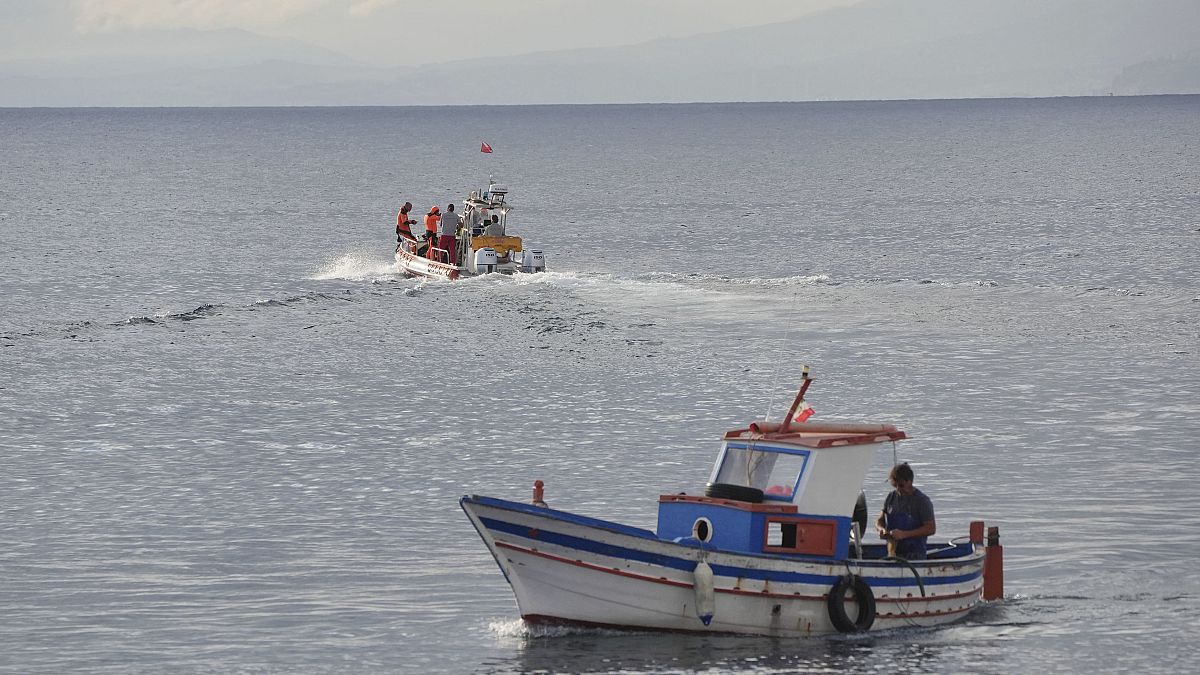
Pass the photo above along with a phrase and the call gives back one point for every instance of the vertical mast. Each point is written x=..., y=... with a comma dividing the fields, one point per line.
x=787, y=420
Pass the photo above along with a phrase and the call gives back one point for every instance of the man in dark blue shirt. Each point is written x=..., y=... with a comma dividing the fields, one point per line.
x=907, y=517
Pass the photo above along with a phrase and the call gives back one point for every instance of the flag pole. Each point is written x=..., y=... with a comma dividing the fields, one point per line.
x=787, y=419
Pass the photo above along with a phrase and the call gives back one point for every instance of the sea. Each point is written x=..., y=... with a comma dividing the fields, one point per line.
x=233, y=436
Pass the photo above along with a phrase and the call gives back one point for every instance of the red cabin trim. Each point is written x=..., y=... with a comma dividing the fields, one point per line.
x=811, y=439
x=743, y=506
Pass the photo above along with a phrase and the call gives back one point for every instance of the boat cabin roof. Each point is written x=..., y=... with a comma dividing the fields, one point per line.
x=492, y=198
x=818, y=434
x=819, y=467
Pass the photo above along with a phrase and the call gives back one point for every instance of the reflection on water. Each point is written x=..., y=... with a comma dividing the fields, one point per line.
x=234, y=439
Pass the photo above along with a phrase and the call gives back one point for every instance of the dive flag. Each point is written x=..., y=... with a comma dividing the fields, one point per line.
x=484, y=147
x=806, y=412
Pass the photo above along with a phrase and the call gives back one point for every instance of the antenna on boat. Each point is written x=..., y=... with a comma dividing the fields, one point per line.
x=787, y=419
x=771, y=402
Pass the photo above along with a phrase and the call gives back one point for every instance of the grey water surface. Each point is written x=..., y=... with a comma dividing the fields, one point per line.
x=233, y=437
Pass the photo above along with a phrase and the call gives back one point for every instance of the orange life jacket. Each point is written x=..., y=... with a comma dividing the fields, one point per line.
x=402, y=222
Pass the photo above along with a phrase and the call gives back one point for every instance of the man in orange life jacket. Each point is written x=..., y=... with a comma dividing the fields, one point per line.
x=431, y=227
x=402, y=223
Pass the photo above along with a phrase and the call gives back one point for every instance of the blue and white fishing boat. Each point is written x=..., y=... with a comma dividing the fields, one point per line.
x=774, y=546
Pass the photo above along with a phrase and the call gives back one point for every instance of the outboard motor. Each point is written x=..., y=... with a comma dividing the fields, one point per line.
x=861, y=514
x=532, y=260
x=485, y=260
x=858, y=523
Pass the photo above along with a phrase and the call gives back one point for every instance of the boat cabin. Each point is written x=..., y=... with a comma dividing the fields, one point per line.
x=779, y=488
x=490, y=202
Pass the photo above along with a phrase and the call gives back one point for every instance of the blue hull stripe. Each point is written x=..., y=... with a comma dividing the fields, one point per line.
x=672, y=562
x=543, y=512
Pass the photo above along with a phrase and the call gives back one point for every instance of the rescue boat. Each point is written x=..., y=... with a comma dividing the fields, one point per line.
x=774, y=546
x=481, y=247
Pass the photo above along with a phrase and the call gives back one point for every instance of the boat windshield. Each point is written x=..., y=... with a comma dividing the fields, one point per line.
x=776, y=471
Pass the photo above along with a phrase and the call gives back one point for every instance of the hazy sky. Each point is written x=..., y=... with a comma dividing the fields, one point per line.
x=391, y=32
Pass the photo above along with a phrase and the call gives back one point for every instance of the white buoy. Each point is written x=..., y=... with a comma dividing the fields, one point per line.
x=705, y=597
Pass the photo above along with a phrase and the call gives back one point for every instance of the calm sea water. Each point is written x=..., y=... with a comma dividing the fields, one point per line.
x=233, y=438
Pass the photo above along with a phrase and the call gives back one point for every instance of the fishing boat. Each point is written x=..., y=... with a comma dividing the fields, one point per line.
x=483, y=246
x=774, y=546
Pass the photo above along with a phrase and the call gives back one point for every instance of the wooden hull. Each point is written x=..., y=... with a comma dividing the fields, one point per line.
x=569, y=569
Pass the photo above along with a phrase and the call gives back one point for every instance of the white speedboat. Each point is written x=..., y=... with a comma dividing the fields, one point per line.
x=774, y=546
x=483, y=246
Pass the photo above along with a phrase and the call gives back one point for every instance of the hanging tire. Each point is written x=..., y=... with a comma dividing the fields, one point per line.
x=737, y=493
x=864, y=597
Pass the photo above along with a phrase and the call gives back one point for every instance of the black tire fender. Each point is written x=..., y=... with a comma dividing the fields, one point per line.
x=864, y=597
x=737, y=493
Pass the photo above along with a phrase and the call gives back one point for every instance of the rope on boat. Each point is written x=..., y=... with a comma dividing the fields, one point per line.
x=771, y=401
x=917, y=575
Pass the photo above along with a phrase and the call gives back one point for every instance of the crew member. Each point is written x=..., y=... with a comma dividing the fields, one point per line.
x=494, y=228
x=907, y=517
x=431, y=228
x=475, y=218
x=447, y=228
x=403, y=230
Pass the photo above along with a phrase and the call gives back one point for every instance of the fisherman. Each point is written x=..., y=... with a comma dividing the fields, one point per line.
x=403, y=231
x=494, y=228
x=907, y=517
x=447, y=228
x=431, y=228
x=475, y=218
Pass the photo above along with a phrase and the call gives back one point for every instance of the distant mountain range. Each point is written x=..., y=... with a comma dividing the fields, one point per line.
x=879, y=49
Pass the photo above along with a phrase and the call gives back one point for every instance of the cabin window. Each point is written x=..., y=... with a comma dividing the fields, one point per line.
x=743, y=466
x=784, y=477
x=781, y=535
x=811, y=536
x=777, y=472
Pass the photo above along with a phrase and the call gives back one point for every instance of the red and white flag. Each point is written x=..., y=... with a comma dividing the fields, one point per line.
x=484, y=147
x=804, y=413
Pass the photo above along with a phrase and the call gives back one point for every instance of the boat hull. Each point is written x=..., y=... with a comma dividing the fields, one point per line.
x=569, y=569
x=415, y=265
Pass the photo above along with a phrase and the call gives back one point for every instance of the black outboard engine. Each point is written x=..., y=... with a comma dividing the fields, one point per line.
x=860, y=511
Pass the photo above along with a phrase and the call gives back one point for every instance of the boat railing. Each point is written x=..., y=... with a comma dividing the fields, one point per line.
x=408, y=244
x=440, y=255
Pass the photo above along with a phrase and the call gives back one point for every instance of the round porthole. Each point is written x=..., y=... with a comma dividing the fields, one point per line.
x=702, y=529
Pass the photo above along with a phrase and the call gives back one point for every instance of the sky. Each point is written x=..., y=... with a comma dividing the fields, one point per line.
x=378, y=52
x=390, y=32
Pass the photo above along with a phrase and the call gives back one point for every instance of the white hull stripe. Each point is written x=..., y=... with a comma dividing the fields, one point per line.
x=737, y=591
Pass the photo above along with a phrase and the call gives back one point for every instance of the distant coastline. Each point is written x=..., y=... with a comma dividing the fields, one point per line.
x=638, y=104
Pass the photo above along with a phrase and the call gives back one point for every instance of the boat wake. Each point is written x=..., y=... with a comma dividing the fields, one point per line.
x=517, y=628
x=719, y=279
x=356, y=267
